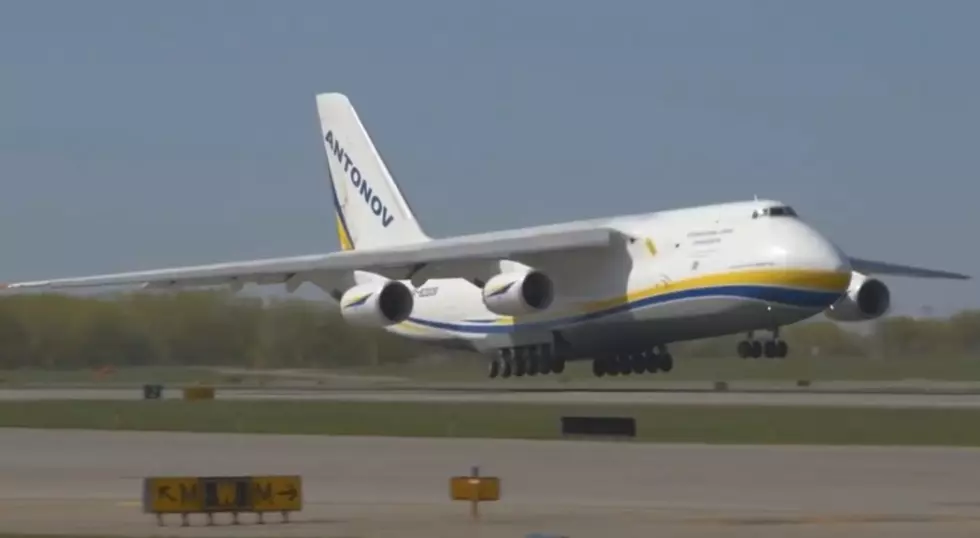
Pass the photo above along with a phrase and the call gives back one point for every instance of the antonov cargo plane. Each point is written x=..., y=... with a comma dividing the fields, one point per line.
x=616, y=291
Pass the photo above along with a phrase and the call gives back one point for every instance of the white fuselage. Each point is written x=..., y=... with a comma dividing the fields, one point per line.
x=689, y=273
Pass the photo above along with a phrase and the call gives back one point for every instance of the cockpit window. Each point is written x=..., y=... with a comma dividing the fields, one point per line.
x=774, y=211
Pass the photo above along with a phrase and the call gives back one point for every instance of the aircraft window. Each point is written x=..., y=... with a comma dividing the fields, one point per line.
x=777, y=211
x=782, y=211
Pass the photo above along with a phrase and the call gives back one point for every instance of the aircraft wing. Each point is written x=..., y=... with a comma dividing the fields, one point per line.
x=458, y=256
x=872, y=267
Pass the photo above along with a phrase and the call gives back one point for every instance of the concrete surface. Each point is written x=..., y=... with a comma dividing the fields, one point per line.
x=663, y=397
x=89, y=483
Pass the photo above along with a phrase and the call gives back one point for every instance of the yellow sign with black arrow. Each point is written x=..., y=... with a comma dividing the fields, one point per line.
x=276, y=494
x=222, y=494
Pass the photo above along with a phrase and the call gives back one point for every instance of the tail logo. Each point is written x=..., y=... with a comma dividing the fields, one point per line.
x=379, y=208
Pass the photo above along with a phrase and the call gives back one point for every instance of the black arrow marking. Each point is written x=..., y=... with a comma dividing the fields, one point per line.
x=291, y=493
x=164, y=492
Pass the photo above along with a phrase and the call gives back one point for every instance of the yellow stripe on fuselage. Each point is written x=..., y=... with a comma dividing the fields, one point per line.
x=787, y=278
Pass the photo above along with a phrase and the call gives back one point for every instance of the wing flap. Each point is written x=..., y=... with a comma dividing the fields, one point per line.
x=873, y=267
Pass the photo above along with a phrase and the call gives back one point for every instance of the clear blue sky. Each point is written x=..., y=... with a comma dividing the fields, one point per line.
x=136, y=135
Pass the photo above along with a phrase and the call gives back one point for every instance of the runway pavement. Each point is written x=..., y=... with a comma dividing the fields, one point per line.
x=89, y=483
x=655, y=396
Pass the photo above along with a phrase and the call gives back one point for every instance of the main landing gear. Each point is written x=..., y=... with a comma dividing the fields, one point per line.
x=775, y=348
x=526, y=360
x=651, y=361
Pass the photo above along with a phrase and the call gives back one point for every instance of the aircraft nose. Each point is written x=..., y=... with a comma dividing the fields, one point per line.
x=800, y=247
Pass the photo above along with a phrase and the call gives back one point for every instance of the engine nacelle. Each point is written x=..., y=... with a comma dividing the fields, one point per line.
x=513, y=294
x=377, y=304
x=866, y=299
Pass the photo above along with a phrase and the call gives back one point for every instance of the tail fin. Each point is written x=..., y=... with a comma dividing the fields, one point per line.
x=371, y=212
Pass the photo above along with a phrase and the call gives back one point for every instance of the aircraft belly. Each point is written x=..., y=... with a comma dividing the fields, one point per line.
x=688, y=320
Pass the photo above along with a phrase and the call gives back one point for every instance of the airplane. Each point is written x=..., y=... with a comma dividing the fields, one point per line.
x=617, y=291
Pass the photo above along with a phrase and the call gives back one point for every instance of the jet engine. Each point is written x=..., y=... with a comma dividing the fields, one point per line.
x=377, y=304
x=865, y=299
x=512, y=294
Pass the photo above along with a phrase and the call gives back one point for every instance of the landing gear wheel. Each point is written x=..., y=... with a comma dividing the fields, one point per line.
x=598, y=367
x=651, y=362
x=546, y=365
x=756, y=349
x=557, y=365
x=782, y=349
x=665, y=362
x=520, y=366
x=623, y=364
x=506, y=368
x=637, y=363
x=533, y=365
x=744, y=349
x=494, y=367
x=770, y=349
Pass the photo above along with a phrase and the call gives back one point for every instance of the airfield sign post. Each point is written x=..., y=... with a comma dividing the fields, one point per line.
x=475, y=496
x=474, y=489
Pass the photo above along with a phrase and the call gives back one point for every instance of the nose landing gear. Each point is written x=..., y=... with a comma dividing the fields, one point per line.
x=775, y=348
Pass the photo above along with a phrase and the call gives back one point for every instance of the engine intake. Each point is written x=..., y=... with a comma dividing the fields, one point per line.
x=377, y=304
x=866, y=299
x=511, y=294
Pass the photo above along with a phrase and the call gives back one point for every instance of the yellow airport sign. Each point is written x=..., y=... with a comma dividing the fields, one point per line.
x=222, y=494
x=277, y=493
x=474, y=488
x=172, y=495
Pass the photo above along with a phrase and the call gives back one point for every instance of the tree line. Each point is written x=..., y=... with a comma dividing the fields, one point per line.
x=220, y=328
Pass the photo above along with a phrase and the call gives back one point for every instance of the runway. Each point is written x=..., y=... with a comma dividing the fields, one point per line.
x=89, y=483
x=784, y=397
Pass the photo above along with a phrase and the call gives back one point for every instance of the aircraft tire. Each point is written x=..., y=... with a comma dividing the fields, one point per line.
x=623, y=365
x=651, y=364
x=638, y=363
x=520, y=366
x=665, y=362
x=533, y=365
x=494, y=367
x=557, y=365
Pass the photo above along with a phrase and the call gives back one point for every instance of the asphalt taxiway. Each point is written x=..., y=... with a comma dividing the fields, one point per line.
x=88, y=483
x=841, y=398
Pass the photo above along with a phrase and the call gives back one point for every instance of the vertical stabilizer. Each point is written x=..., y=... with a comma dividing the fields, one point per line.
x=371, y=211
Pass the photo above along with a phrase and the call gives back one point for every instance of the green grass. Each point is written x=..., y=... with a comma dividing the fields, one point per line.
x=708, y=424
x=712, y=369
x=117, y=376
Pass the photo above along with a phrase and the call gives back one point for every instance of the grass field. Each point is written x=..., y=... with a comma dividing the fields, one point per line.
x=117, y=376
x=707, y=424
x=712, y=369
x=472, y=369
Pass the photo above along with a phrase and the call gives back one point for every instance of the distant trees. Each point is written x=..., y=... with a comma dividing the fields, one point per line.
x=189, y=328
x=220, y=328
